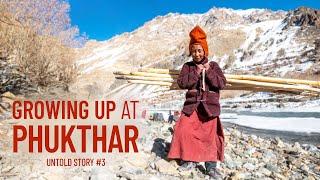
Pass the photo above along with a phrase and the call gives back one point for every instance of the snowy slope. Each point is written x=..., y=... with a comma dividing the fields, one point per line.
x=252, y=41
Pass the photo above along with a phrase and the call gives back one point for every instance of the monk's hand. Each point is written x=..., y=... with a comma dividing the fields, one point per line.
x=206, y=66
x=200, y=67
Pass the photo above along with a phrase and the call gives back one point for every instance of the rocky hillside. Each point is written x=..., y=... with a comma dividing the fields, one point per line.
x=247, y=156
x=253, y=41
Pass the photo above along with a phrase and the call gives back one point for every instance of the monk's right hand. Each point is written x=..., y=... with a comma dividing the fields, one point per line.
x=200, y=67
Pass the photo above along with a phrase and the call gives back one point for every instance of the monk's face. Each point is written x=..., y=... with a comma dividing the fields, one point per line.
x=197, y=52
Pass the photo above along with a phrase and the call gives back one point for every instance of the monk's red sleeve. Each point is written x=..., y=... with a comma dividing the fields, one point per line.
x=187, y=78
x=215, y=76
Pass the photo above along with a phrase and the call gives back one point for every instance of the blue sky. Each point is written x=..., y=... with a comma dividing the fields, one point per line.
x=102, y=19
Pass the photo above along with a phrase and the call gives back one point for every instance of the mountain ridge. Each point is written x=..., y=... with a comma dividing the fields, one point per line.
x=252, y=41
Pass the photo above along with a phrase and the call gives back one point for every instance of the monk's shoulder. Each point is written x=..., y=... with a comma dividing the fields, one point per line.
x=189, y=63
x=213, y=63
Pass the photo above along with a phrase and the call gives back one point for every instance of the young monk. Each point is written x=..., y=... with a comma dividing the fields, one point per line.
x=198, y=134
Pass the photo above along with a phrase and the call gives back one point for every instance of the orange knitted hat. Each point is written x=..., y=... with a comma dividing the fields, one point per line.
x=198, y=36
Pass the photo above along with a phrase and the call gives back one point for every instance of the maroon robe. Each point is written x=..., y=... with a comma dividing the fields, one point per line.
x=198, y=134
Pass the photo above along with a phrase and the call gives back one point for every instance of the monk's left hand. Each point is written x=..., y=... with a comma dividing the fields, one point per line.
x=206, y=66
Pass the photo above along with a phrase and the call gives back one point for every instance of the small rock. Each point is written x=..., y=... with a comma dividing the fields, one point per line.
x=159, y=147
x=269, y=155
x=238, y=164
x=236, y=133
x=174, y=163
x=237, y=175
x=254, y=137
x=168, y=139
x=272, y=167
x=139, y=160
x=152, y=165
x=165, y=129
x=260, y=140
x=5, y=106
x=186, y=174
x=76, y=178
x=7, y=100
x=229, y=162
x=278, y=176
x=8, y=95
x=297, y=146
x=33, y=175
x=258, y=174
x=7, y=169
x=250, y=151
x=231, y=165
x=309, y=147
x=264, y=171
x=165, y=167
x=125, y=175
x=292, y=152
x=304, y=167
x=278, y=142
x=249, y=166
x=245, y=138
x=257, y=155
x=2, y=110
x=296, y=175
x=226, y=133
x=98, y=173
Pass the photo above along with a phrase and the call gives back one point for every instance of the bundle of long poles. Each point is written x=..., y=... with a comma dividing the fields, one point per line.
x=167, y=77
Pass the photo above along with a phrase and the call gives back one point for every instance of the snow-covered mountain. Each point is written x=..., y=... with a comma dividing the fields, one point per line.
x=253, y=41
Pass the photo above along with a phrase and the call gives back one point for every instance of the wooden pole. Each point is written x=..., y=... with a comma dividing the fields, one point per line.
x=274, y=80
x=243, y=77
x=130, y=77
x=275, y=85
x=160, y=71
x=160, y=83
x=146, y=74
x=166, y=77
x=247, y=85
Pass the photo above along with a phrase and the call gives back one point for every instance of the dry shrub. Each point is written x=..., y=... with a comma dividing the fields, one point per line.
x=37, y=36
